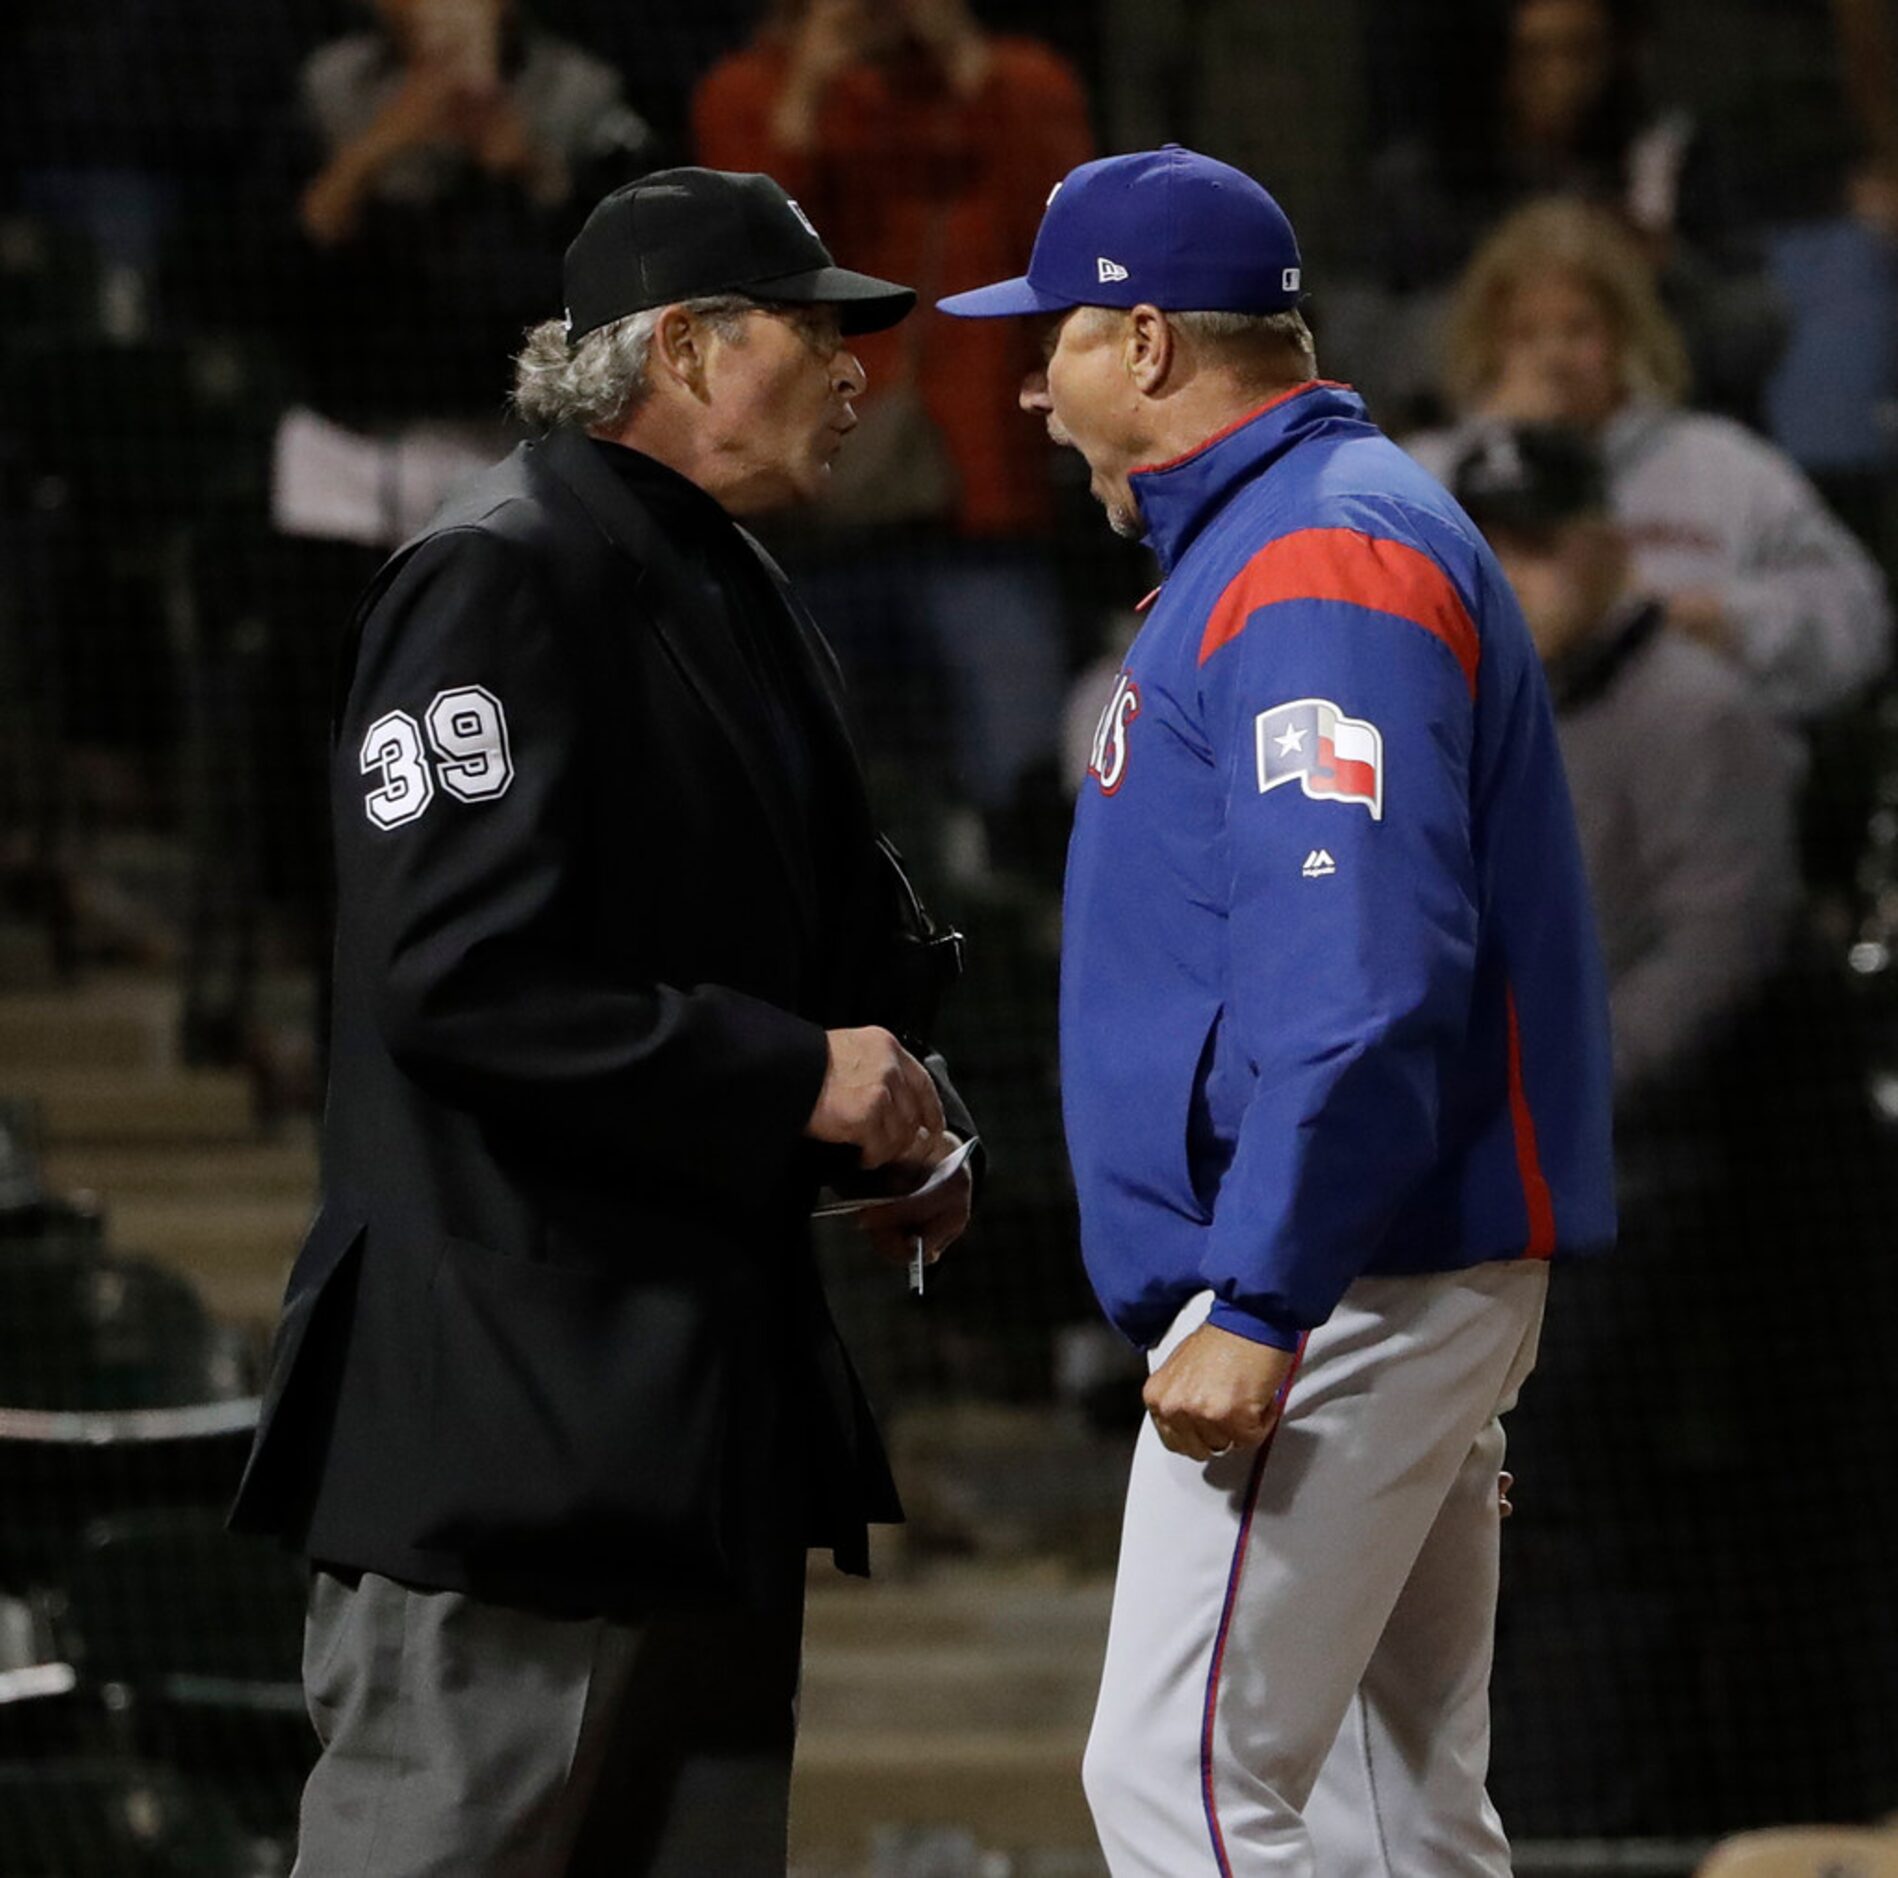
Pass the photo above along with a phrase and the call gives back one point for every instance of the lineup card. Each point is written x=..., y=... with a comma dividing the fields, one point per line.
x=939, y=1176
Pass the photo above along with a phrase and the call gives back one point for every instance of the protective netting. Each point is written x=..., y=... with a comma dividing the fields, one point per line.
x=262, y=269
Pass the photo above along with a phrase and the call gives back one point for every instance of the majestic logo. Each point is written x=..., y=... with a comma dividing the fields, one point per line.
x=1289, y=279
x=1318, y=863
x=808, y=226
x=1107, y=761
x=1110, y=270
x=1336, y=758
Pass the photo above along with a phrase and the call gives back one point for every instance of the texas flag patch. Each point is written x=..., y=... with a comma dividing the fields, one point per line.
x=1337, y=758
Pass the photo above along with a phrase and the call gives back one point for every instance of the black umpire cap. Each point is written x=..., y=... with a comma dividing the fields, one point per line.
x=1530, y=479
x=686, y=234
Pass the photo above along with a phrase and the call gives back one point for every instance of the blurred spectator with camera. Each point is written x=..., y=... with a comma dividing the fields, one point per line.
x=1548, y=97
x=1557, y=320
x=1558, y=103
x=928, y=145
x=1684, y=785
x=445, y=151
x=435, y=164
x=1729, y=1068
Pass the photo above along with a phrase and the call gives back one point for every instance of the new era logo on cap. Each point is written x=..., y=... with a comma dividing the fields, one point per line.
x=1169, y=226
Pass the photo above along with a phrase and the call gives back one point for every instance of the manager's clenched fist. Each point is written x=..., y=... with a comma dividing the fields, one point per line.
x=1216, y=1392
x=876, y=1098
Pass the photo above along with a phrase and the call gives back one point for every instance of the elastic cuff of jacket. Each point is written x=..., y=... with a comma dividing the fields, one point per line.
x=1243, y=1323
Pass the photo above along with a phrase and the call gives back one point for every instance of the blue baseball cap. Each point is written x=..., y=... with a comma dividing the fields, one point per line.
x=1167, y=228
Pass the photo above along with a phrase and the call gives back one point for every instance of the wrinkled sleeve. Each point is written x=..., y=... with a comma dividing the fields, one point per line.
x=1337, y=662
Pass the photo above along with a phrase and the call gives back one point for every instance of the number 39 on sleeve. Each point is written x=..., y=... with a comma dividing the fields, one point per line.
x=468, y=730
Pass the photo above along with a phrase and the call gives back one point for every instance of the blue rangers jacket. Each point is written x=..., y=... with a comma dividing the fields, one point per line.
x=1331, y=1002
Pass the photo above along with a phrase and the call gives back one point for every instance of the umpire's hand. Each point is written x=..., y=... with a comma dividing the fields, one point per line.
x=876, y=1098
x=938, y=1219
x=1216, y=1392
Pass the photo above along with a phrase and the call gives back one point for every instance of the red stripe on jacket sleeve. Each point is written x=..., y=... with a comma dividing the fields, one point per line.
x=1535, y=1190
x=1342, y=564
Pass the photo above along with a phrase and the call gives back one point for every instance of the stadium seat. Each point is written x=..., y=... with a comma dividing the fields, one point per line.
x=83, y=1331
x=44, y=1219
x=118, y=1390
x=171, y=1596
x=170, y=423
x=49, y=279
x=45, y=1714
x=21, y=1190
x=67, y=1469
x=101, y=1819
x=197, y=1635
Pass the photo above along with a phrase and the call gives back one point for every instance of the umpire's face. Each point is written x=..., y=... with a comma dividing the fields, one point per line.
x=775, y=401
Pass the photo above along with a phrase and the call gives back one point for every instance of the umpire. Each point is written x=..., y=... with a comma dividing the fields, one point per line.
x=557, y=1404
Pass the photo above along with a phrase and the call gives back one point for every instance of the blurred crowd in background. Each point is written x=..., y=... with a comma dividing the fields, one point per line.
x=1626, y=276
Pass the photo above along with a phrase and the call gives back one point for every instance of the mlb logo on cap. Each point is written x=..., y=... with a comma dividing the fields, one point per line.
x=1167, y=228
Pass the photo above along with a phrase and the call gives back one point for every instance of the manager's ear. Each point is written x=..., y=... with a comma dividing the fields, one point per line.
x=1150, y=348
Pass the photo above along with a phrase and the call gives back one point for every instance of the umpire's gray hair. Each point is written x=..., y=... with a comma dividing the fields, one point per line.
x=594, y=385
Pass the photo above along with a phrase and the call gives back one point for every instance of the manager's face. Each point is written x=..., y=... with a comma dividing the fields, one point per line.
x=1087, y=394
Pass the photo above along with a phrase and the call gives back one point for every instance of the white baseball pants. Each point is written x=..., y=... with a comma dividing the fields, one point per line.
x=1297, y=1673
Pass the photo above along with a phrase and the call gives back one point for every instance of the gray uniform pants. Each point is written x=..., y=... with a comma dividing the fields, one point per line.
x=1297, y=1674
x=469, y=1740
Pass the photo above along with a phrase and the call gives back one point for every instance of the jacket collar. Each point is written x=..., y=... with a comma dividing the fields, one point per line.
x=687, y=620
x=1178, y=498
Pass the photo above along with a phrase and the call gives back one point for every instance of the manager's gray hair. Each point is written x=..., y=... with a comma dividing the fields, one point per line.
x=1246, y=334
x=595, y=384
x=1251, y=342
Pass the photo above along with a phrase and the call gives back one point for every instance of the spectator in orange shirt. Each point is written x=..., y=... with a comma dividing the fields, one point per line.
x=928, y=146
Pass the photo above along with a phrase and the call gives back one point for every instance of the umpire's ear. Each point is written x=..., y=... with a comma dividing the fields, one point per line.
x=680, y=352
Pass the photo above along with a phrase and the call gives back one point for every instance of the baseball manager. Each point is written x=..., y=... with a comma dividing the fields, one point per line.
x=1334, y=1054
x=557, y=1405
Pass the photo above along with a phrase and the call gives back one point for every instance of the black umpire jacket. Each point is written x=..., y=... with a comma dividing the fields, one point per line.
x=557, y=1334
